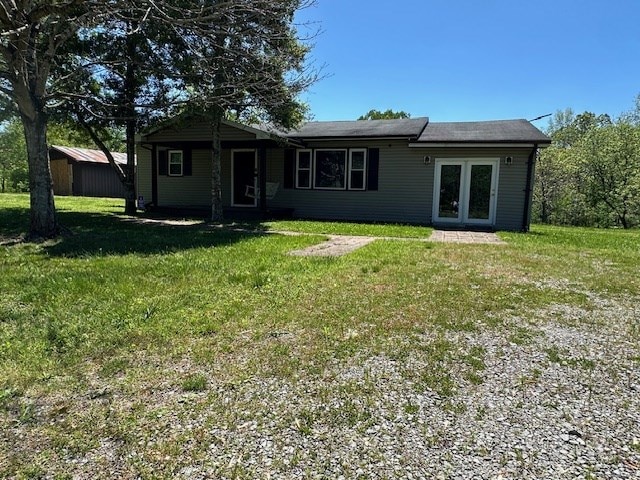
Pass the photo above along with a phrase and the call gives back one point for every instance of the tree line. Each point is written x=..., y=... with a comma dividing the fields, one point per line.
x=590, y=175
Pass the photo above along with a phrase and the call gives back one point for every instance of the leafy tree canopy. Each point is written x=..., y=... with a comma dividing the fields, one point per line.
x=590, y=175
x=119, y=63
x=386, y=115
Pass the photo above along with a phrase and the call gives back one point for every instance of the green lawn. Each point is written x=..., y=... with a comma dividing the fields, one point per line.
x=347, y=228
x=131, y=311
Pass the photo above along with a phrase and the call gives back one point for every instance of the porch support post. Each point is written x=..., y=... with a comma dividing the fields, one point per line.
x=262, y=177
x=154, y=175
x=528, y=191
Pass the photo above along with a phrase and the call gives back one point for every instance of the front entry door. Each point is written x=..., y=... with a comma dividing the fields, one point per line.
x=243, y=178
x=465, y=191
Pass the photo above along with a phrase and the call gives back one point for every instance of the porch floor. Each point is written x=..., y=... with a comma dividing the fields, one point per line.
x=230, y=213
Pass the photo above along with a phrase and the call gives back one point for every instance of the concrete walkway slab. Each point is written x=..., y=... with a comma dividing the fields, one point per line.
x=455, y=236
x=335, y=246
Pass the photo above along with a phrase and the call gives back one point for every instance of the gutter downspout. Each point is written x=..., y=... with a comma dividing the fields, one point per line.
x=526, y=216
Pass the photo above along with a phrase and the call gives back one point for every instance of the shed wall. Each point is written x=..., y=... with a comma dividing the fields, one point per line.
x=96, y=180
x=61, y=176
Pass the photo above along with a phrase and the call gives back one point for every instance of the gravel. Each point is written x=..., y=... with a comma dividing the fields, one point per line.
x=563, y=404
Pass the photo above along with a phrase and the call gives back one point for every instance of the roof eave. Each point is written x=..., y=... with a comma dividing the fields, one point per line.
x=472, y=144
x=354, y=137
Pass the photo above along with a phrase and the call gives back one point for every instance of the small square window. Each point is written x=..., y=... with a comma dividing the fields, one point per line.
x=175, y=163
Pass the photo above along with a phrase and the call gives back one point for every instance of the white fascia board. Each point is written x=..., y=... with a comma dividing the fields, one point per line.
x=350, y=139
x=474, y=145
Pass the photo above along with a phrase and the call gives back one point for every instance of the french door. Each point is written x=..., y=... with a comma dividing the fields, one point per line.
x=465, y=191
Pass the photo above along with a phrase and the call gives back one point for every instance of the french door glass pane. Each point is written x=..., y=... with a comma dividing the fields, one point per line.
x=480, y=191
x=450, y=176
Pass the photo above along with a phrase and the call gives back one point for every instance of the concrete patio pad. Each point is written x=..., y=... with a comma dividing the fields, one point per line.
x=338, y=245
x=455, y=236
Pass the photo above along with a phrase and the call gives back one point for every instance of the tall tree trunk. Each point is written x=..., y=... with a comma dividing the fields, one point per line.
x=131, y=88
x=216, y=170
x=130, y=179
x=43, y=212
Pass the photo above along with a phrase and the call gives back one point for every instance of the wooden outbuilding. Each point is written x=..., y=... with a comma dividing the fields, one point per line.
x=85, y=172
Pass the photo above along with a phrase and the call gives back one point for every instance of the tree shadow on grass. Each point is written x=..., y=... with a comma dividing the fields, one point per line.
x=13, y=222
x=92, y=233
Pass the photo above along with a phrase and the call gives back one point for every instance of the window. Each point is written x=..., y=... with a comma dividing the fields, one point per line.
x=357, y=167
x=330, y=169
x=303, y=169
x=176, y=163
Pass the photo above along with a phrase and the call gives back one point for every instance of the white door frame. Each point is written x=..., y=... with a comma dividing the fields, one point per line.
x=255, y=167
x=465, y=180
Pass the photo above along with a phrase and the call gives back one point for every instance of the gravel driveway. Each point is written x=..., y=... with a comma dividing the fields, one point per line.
x=557, y=399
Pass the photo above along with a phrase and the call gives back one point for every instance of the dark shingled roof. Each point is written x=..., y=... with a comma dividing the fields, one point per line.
x=495, y=131
x=404, y=127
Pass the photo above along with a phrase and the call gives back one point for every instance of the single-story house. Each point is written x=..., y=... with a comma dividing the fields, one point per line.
x=459, y=174
x=85, y=172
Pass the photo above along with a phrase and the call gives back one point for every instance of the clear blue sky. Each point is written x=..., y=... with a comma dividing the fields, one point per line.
x=462, y=60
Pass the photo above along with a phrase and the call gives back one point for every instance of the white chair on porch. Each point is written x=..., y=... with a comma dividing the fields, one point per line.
x=252, y=191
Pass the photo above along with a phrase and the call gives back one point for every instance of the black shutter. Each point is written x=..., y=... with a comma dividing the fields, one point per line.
x=163, y=162
x=186, y=161
x=289, y=167
x=372, y=169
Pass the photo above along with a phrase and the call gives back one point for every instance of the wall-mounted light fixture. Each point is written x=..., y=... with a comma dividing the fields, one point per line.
x=426, y=159
x=508, y=160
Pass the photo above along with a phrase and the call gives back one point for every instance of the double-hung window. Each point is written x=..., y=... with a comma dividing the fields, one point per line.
x=176, y=163
x=357, y=168
x=330, y=169
x=303, y=169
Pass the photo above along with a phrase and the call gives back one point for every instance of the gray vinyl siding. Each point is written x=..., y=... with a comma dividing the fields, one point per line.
x=405, y=188
x=195, y=190
x=511, y=193
x=143, y=173
x=404, y=192
x=188, y=191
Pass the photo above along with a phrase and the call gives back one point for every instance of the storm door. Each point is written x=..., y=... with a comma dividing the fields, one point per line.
x=243, y=178
x=465, y=191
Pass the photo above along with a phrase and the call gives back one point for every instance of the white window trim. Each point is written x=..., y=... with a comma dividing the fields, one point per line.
x=181, y=163
x=310, y=169
x=363, y=169
x=346, y=165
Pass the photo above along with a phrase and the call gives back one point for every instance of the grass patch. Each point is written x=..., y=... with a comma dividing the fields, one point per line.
x=350, y=228
x=556, y=355
x=196, y=382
